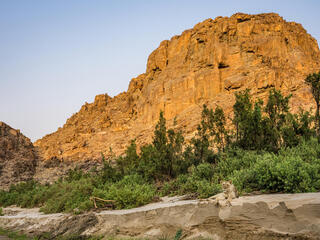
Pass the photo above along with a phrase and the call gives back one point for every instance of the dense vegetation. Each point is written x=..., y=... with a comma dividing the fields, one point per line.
x=266, y=148
x=46, y=236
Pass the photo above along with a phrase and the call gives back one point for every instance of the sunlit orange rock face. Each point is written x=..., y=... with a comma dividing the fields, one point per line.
x=206, y=64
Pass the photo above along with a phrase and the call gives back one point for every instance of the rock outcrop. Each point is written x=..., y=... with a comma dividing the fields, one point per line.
x=18, y=158
x=267, y=217
x=206, y=64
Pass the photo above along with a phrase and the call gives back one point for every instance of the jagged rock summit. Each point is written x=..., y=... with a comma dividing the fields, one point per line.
x=18, y=158
x=205, y=64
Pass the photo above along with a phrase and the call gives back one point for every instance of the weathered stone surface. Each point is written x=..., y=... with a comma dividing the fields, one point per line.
x=18, y=158
x=206, y=64
x=267, y=217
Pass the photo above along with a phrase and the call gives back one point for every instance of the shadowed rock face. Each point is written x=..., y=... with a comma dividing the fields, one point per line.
x=206, y=64
x=17, y=157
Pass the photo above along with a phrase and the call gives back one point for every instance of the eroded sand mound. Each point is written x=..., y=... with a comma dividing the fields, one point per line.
x=278, y=216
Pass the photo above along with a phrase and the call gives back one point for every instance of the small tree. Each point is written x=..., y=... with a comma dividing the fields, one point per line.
x=175, y=153
x=248, y=121
x=160, y=143
x=165, y=154
x=305, y=120
x=313, y=80
x=220, y=133
x=202, y=141
x=128, y=164
x=242, y=109
x=277, y=110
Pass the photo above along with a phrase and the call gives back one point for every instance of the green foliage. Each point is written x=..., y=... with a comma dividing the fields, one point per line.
x=211, y=132
x=14, y=235
x=178, y=235
x=201, y=142
x=128, y=164
x=161, y=160
x=271, y=127
x=287, y=171
x=66, y=196
x=221, y=135
x=28, y=194
x=167, y=152
x=200, y=181
x=71, y=196
x=233, y=160
x=131, y=191
x=313, y=80
x=108, y=173
x=243, y=118
x=272, y=150
x=18, y=236
x=278, y=119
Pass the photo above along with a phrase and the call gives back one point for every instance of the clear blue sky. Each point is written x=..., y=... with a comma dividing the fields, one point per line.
x=56, y=55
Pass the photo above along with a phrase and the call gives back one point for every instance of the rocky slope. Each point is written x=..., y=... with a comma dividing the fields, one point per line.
x=18, y=158
x=205, y=64
x=265, y=217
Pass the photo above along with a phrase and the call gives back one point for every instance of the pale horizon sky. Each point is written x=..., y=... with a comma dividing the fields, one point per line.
x=57, y=55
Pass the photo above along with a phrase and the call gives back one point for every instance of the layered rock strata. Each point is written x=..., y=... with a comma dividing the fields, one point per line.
x=204, y=65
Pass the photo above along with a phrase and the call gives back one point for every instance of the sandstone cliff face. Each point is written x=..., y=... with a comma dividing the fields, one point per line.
x=206, y=64
x=17, y=157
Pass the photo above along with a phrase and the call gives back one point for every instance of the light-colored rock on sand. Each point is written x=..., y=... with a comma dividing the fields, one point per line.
x=278, y=216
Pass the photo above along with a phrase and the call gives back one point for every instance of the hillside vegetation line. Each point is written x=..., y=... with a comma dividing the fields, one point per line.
x=267, y=148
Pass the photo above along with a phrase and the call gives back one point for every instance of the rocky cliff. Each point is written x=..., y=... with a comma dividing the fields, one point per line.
x=18, y=158
x=205, y=64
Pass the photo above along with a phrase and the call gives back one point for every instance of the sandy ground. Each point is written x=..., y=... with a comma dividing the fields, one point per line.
x=270, y=216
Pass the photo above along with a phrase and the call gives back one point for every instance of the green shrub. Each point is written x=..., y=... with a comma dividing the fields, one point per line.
x=131, y=191
x=178, y=235
x=23, y=194
x=203, y=171
x=66, y=196
x=201, y=181
x=14, y=235
x=234, y=159
x=279, y=173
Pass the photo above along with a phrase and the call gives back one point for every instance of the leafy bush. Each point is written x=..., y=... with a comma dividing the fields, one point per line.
x=66, y=196
x=13, y=235
x=200, y=181
x=26, y=194
x=279, y=173
x=234, y=159
x=131, y=192
x=19, y=236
